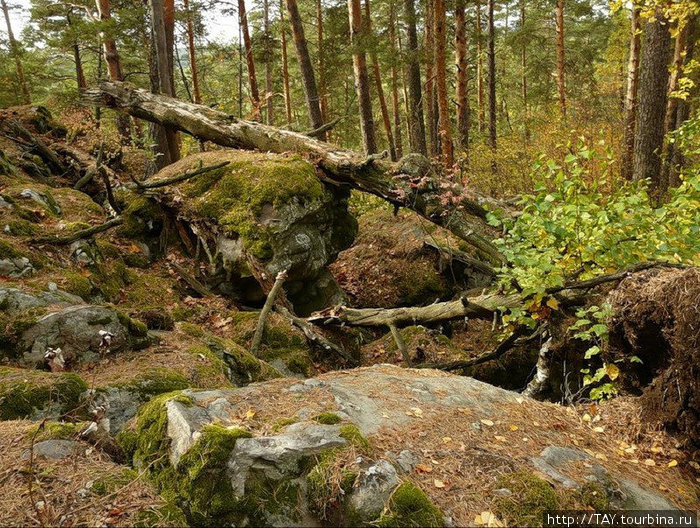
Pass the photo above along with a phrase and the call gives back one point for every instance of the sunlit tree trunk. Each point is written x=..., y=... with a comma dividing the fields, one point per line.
x=14, y=49
x=285, y=68
x=430, y=77
x=561, y=83
x=492, y=76
x=322, y=88
x=361, y=78
x=479, y=70
x=306, y=67
x=523, y=73
x=386, y=120
x=651, y=110
x=269, y=100
x=167, y=140
x=394, y=81
x=445, y=125
x=416, y=126
x=252, y=79
x=196, y=94
x=79, y=72
x=462, y=92
x=627, y=162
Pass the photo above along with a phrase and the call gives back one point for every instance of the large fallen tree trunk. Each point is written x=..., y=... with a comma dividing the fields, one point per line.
x=410, y=183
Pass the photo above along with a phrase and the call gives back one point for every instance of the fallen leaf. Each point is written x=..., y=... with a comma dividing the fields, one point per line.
x=513, y=428
x=520, y=400
x=446, y=439
x=438, y=483
x=673, y=463
x=249, y=414
x=657, y=449
x=501, y=438
x=649, y=462
x=422, y=468
x=417, y=411
x=599, y=429
x=586, y=417
x=487, y=422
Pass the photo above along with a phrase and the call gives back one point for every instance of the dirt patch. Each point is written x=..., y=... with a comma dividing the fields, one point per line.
x=657, y=319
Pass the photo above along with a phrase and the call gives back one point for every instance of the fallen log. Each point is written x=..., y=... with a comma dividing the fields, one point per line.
x=482, y=307
x=406, y=184
x=44, y=152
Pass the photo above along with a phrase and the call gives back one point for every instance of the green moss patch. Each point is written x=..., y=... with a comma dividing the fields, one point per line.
x=327, y=418
x=57, y=431
x=328, y=484
x=410, y=506
x=352, y=435
x=531, y=497
x=12, y=326
x=25, y=393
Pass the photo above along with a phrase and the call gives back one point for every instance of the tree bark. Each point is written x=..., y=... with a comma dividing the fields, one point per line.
x=321, y=63
x=168, y=145
x=561, y=83
x=462, y=64
x=14, y=50
x=444, y=125
x=386, y=120
x=653, y=83
x=627, y=164
x=523, y=73
x=252, y=79
x=306, y=67
x=269, y=99
x=79, y=72
x=285, y=68
x=429, y=47
x=398, y=143
x=196, y=94
x=492, y=76
x=416, y=127
x=393, y=183
x=479, y=70
x=359, y=64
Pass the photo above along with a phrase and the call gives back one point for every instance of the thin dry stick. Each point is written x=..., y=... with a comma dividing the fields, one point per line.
x=269, y=302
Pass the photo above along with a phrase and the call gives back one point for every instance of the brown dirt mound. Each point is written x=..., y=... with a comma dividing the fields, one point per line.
x=657, y=318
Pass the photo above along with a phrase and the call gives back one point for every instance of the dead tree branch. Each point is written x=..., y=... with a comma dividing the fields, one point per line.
x=180, y=177
x=79, y=235
x=269, y=302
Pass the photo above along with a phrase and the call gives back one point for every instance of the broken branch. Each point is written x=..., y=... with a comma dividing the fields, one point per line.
x=78, y=235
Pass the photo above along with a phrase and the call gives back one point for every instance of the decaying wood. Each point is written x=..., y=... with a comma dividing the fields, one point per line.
x=193, y=283
x=269, y=303
x=482, y=306
x=44, y=152
x=180, y=177
x=337, y=166
x=313, y=336
x=79, y=235
x=544, y=360
x=461, y=256
x=400, y=344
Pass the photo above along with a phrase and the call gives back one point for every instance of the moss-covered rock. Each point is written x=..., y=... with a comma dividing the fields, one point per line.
x=530, y=497
x=410, y=506
x=32, y=393
x=57, y=431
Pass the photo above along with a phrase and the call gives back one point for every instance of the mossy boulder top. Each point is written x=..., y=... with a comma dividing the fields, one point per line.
x=269, y=206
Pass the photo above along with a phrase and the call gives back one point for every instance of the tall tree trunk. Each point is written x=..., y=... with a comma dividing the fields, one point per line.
x=416, y=127
x=561, y=83
x=430, y=77
x=627, y=162
x=14, y=50
x=680, y=110
x=523, y=73
x=492, y=76
x=653, y=84
x=168, y=144
x=394, y=81
x=306, y=67
x=445, y=125
x=479, y=70
x=114, y=65
x=386, y=120
x=169, y=25
x=269, y=99
x=252, y=80
x=196, y=94
x=321, y=66
x=79, y=72
x=359, y=64
x=285, y=68
x=462, y=63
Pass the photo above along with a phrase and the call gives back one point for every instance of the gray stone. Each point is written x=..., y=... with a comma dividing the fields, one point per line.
x=4, y=204
x=372, y=490
x=554, y=458
x=407, y=461
x=76, y=331
x=14, y=300
x=56, y=449
x=16, y=267
x=42, y=199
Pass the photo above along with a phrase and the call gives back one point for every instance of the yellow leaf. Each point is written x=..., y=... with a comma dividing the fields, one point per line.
x=513, y=427
x=649, y=462
x=487, y=422
x=657, y=449
x=586, y=417
x=612, y=371
x=422, y=468
x=599, y=429
x=249, y=414
x=501, y=438
x=553, y=303
x=446, y=439
x=673, y=463
x=438, y=483
x=417, y=411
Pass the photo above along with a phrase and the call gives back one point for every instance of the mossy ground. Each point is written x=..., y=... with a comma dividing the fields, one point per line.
x=410, y=506
x=25, y=393
x=531, y=497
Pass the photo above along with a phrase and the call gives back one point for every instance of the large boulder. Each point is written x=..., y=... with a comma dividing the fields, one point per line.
x=383, y=446
x=266, y=206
